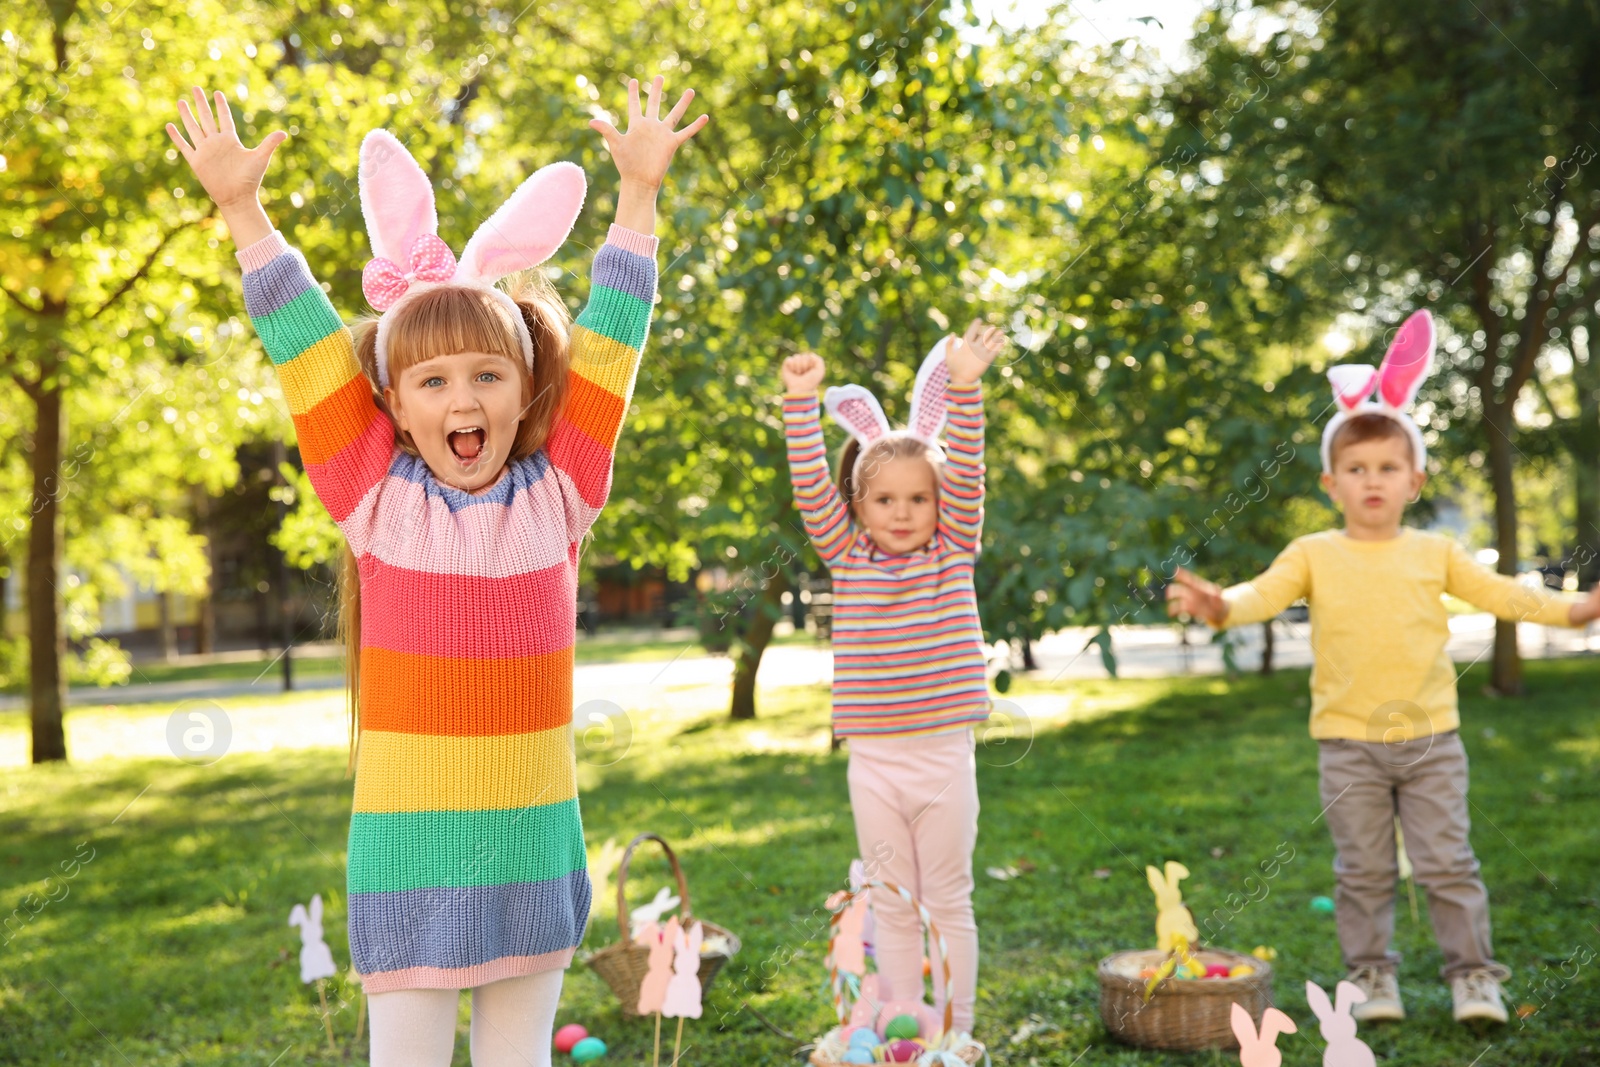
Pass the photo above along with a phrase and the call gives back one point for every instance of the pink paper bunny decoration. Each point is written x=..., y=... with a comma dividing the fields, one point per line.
x=653, y=990
x=409, y=257
x=1339, y=1026
x=1397, y=380
x=683, y=991
x=858, y=411
x=1260, y=1050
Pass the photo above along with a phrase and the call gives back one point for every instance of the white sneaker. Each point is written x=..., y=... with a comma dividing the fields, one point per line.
x=1382, y=987
x=1477, y=996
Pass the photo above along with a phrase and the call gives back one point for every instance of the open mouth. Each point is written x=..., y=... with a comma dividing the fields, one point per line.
x=467, y=444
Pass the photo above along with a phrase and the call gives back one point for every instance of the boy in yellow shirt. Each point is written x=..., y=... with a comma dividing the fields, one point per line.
x=1383, y=690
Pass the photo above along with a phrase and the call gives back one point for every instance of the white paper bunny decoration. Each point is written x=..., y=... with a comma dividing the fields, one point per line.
x=1338, y=1025
x=409, y=257
x=316, y=960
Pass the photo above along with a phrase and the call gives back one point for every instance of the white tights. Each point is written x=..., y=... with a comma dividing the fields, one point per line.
x=511, y=1023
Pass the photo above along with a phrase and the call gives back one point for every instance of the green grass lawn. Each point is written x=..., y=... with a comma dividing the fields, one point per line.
x=170, y=945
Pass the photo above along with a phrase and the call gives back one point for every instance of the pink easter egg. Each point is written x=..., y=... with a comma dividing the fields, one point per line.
x=568, y=1036
x=904, y=1051
x=1217, y=970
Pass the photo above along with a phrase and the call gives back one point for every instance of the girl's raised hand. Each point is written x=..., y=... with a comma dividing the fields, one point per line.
x=230, y=172
x=644, y=152
x=803, y=373
x=968, y=357
x=1189, y=594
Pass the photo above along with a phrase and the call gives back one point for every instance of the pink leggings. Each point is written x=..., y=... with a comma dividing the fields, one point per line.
x=511, y=1023
x=916, y=807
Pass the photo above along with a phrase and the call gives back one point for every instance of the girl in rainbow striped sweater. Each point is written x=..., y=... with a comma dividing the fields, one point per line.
x=464, y=445
x=900, y=542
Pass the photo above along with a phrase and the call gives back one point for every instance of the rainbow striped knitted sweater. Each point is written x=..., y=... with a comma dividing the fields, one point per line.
x=907, y=645
x=466, y=853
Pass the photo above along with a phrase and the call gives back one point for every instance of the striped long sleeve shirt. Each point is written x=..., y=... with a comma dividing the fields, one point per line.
x=907, y=646
x=466, y=854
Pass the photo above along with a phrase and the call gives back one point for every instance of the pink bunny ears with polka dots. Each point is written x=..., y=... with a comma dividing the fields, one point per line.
x=408, y=256
x=1396, y=380
x=858, y=411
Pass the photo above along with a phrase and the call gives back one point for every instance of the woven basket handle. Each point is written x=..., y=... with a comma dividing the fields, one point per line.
x=622, y=882
x=936, y=945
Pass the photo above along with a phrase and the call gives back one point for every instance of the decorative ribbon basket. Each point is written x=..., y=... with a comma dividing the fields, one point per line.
x=1184, y=1015
x=948, y=1050
x=624, y=964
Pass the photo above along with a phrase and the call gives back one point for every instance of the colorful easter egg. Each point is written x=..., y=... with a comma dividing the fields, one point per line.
x=1217, y=970
x=590, y=1048
x=1322, y=905
x=903, y=1051
x=568, y=1036
x=901, y=1026
x=858, y=1055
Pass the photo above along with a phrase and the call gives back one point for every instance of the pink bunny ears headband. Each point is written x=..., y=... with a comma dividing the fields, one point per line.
x=408, y=256
x=858, y=411
x=1397, y=380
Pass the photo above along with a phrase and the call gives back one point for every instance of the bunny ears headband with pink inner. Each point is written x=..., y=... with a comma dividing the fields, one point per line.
x=1397, y=379
x=409, y=257
x=858, y=411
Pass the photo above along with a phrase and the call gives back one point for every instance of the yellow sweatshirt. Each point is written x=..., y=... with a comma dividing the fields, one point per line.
x=1378, y=626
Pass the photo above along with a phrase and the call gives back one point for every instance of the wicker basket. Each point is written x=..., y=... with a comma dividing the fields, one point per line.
x=624, y=963
x=841, y=1004
x=1183, y=1014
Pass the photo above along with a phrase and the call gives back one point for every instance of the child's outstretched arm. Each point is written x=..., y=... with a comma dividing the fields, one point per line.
x=609, y=335
x=1261, y=598
x=346, y=442
x=961, y=497
x=1507, y=598
x=827, y=519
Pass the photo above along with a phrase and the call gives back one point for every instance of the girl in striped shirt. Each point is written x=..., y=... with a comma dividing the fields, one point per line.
x=463, y=442
x=900, y=541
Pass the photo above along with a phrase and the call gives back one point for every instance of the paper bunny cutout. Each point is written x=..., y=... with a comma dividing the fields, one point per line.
x=651, y=913
x=1260, y=1050
x=403, y=229
x=1339, y=1026
x=1172, y=918
x=1397, y=379
x=874, y=1012
x=858, y=411
x=683, y=991
x=653, y=990
x=316, y=960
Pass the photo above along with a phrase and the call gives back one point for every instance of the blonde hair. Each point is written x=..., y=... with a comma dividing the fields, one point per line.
x=456, y=319
x=857, y=464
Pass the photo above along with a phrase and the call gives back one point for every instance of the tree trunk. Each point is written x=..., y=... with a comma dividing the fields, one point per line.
x=47, y=635
x=1506, y=675
x=205, y=631
x=169, y=632
x=769, y=606
x=1028, y=663
x=1266, y=647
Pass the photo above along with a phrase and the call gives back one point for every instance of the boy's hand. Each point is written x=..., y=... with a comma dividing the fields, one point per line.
x=1586, y=610
x=1190, y=594
x=968, y=357
x=643, y=153
x=230, y=172
x=802, y=374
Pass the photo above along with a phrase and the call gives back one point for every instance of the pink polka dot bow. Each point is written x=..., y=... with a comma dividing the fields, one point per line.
x=384, y=282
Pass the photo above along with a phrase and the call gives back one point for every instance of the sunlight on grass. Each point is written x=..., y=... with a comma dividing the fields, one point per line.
x=195, y=869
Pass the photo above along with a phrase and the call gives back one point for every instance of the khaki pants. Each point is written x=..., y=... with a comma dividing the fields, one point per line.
x=1424, y=781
